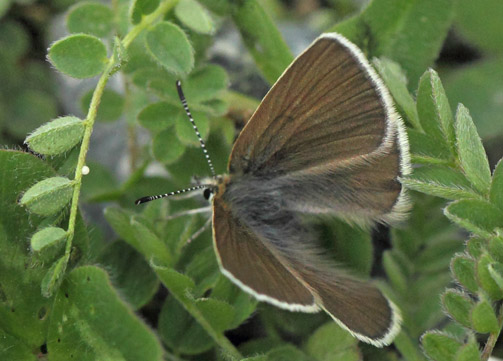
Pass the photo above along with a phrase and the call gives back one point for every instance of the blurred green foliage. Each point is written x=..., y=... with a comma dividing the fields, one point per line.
x=68, y=291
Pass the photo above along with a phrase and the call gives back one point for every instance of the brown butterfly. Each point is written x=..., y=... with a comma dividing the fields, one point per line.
x=325, y=140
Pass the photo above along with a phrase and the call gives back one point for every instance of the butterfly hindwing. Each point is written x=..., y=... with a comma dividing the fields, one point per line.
x=358, y=306
x=288, y=272
x=246, y=261
x=360, y=193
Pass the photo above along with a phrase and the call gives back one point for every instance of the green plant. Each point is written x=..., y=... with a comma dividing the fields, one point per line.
x=67, y=293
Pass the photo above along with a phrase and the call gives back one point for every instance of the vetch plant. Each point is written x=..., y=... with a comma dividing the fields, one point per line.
x=458, y=170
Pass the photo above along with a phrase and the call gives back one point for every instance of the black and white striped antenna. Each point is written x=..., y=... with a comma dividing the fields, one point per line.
x=203, y=147
x=201, y=141
x=151, y=198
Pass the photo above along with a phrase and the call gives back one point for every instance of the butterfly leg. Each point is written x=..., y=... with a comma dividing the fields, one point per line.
x=199, y=231
x=190, y=212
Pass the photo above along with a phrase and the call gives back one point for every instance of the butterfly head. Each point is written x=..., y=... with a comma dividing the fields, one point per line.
x=213, y=185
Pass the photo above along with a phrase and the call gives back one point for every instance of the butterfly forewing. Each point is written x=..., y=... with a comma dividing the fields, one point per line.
x=325, y=108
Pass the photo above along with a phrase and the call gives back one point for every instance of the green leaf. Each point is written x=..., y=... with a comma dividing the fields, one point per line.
x=471, y=152
x=331, y=343
x=203, y=269
x=205, y=83
x=46, y=237
x=158, y=116
x=256, y=358
x=48, y=196
x=170, y=47
x=394, y=272
x=91, y=18
x=215, y=107
x=287, y=353
x=31, y=108
x=463, y=86
x=463, y=269
x=485, y=279
x=408, y=347
x=496, y=272
x=263, y=39
x=484, y=319
x=244, y=304
x=220, y=7
x=138, y=59
x=177, y=283
x=219, y=314
x=476, y=246
x=194, y=16
x=440, y=347
x=119, y=220
x=90, y=321
x=496, y=247
x=410, y=33
x=202, y=87
x=185, y=131
x=353, y=248
x=24, y=312
x=54, y=277
x=469, y=352
x=180, y=331
x=259, y=346
x=427, y=109
x=434, y=110
x=437, y=257
x=144, y=77
x=477, y=216
x=166, y=146
x=440, y=182
x=396, y=81
x=79, y=56
x=424, y=149
x=496, y=191
x=149, y=244
x=199, y=166
x=57, y=136
x=140, y=8
x=13, y=348
x=14, y=37
x=130, y=273
x=132, y=229
x=478, y=22
x=110, y=108
x=458, y=306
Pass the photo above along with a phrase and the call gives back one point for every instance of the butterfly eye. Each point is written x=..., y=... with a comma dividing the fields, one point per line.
x=207, y=193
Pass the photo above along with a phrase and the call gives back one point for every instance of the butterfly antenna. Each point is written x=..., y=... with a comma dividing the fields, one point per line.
x=201, y=141
x=151, y=198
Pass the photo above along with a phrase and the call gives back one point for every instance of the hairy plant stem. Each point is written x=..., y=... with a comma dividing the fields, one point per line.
x=93, y=109
x=148, y=20
x=89, y=123
x=493, y=337
x=131, y=127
